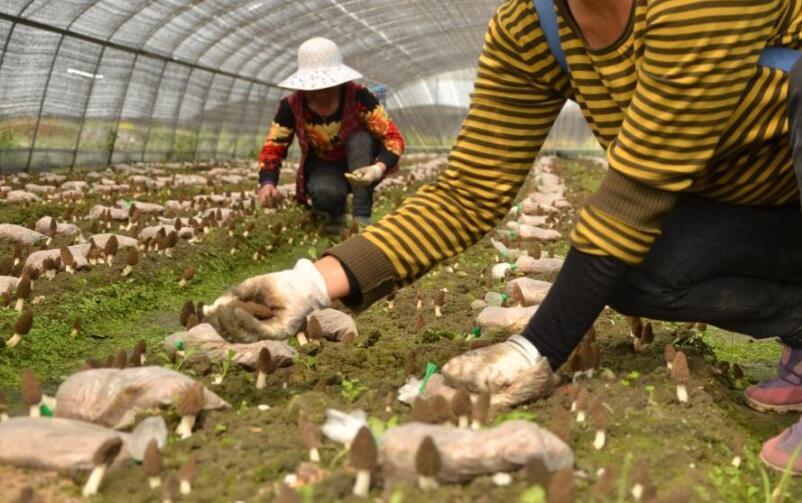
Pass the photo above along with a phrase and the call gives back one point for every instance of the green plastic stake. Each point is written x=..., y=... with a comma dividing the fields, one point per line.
x=179, y=345
x=476, y=332
x=45, y=411
x=431, y=369
x=504, y=297
x=513, y=267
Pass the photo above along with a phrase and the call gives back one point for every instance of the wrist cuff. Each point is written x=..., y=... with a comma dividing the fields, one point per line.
x=308, y=269
x=525, y=347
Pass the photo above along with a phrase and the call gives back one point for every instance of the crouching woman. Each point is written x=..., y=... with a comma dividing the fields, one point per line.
x=344, y=134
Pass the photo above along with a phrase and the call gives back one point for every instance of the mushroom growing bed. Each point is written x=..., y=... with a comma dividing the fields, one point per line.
x=259, y=446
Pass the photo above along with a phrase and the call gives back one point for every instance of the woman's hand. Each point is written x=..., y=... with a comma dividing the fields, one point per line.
x=367, y=175
x=270, y=306
x=269, y=196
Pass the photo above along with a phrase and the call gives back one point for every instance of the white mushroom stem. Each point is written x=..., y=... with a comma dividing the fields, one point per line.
x=3, y=417
x=314, y=455
x=93, y=483
x=476, y=425
x=668, y=364
x=637, y=491
x=233, y=251
x=427, y=483
x=580, y=416
x=127, y=270
x=19, y=305
x=736, y=461
x=182, y=283
x=34, y=411
x=13, y=341
x=50, y=274
x=437, y=311
x=302, y=340
x=362, y=484
x=391, y=305
x=154, y=482
x=70, y=269
x=464, y=422
x=110, y=260
x=420, y=304
x=261, y=380
x=600, y=439
x=185, y=427
x=682, y=393
x=168, y=252
x=256, y=256
x=186, y=487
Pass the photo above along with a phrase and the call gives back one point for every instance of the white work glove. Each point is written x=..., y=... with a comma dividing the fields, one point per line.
x=367, y=175
x=291, y=295
x=513, y=372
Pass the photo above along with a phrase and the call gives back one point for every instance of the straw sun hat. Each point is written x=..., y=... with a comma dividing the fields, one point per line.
x=320, y=65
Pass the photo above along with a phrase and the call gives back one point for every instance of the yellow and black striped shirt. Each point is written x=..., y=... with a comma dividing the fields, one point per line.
x=679, y=103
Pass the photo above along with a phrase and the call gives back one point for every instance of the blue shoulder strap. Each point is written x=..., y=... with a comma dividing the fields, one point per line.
x=548, y=23
x=778, y=58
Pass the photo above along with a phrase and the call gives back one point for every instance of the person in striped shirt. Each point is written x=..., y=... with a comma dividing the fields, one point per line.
x=697, y=219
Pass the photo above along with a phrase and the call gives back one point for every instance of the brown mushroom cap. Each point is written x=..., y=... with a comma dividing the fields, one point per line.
x=598, y=414
x=561, y=486
x=259, y=311
x=461, y=403
x=24, y=323
x=140, y=347
x=264, y=360
x=152, y=460
x=171, y=488
x=6, y=266
x=112, y=246
x=679, y=368
x=310, y=433
x=441, y=409
x=24, y=287
x=440, y=298
x=186, y=310
x=120, y=360
x=191, y=400
x=583, y=399
x=560, y=423
x=107, y=452
x=635, y=325
x=31, y=391
x=481, y=409
x=313, y=328
x=286, y=494
x=132, y=258
x=427, y=459
x=364, y=454
x=66, y=256
x=737, y=371
x=188, y=273
x=172, y=239
x=669, y=352
x=189, y=469
x=536, y=472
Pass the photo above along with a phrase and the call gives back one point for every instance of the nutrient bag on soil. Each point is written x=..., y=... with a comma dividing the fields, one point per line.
x=467, y=454
x=114, y=397
x=56, y=444
x=15, y=234
x=203, y=342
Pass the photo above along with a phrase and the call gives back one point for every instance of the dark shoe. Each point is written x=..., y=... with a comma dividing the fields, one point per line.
x=782, y=393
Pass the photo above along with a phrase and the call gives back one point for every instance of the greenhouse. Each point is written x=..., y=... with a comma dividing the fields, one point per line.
x=358, y=250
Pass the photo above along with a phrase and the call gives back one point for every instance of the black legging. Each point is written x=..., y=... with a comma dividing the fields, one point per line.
x=328, y=187
x=736, y=267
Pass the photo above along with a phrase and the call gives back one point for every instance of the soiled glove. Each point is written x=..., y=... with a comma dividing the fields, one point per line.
x=512, y=371
x=367, y=175
x=289, y=296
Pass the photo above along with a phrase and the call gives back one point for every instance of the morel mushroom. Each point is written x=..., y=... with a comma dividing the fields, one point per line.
x=262, y=368
x=189, y=405
x=737, y=447
x=23, y=291
x=310, y=436
x=461, y=407
x=186, y=276
x=111, y=249
x=21, y=328
x=561, y=487
x=187, y=473
x=668, y=353
x=140, y=348
x=186, y=310
x=67, y=259
x=171, y=489
x=582, y=404
x=598, y=415
x=131, y=259
x=31, y=392
x=170, y=242
x=681, y=374
x=364, y=457
x=428, y=464
x=152, y=464
x=439, y=302
x=102, y=459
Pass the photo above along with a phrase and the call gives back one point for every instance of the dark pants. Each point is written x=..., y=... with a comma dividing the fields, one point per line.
x=735, y=267
x=328, y=187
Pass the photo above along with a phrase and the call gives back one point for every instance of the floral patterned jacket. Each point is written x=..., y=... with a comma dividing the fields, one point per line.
x=325, y=138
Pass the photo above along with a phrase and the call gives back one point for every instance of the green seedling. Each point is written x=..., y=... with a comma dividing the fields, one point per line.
x=351, y=390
